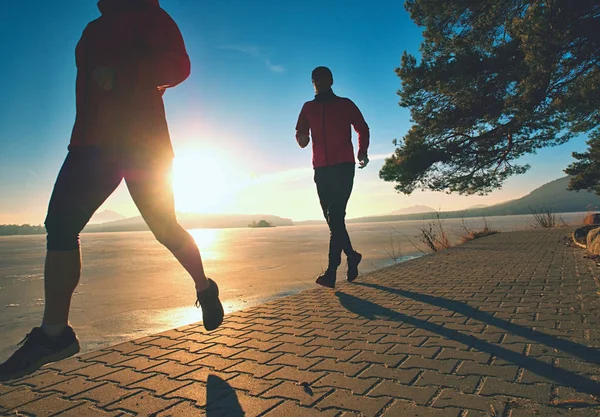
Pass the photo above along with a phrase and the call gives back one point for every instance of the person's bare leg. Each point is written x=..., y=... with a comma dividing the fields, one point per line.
x=84, y=182
x=189, y=257
x=61, y=276
x=153, y=196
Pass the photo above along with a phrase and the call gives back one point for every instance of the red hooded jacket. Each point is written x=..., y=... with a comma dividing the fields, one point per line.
x=329, y=119
x=143, y=45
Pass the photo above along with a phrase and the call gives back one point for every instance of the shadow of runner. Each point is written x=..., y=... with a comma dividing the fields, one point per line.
x=583, y=352
x=221, y=400
x=371, y=310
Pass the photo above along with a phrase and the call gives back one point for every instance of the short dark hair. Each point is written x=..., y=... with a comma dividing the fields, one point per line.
x=320, y=72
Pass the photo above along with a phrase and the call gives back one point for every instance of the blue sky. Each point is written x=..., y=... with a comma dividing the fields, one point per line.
x=232, y=122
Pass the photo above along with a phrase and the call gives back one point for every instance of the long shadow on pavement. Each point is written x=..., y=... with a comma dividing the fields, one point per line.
x=371, y=310
x=221, y=399
x=583, y=352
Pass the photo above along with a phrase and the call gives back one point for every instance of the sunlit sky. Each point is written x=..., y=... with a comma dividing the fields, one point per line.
x=232, y=122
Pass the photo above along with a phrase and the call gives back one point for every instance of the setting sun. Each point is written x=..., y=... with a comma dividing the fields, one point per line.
x=204, y=180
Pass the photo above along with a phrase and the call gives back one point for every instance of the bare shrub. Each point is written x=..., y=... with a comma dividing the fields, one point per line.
x=545, y=218
x=433, y=234
x=471, y=234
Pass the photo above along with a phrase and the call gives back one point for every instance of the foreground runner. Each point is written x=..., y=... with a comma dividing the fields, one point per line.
x=329, y=119
x=125, y=61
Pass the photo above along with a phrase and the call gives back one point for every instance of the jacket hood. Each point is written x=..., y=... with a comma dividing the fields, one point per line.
x=110, y=6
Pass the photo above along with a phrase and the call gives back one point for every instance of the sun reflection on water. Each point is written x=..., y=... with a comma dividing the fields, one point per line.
x=208, y=242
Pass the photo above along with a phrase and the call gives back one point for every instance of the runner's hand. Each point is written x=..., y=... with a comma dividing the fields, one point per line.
x=302, y=140
x=104, y=77
x=363, y=161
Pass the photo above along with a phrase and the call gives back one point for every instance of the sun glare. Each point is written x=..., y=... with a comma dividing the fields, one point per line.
x=204, y=181
x=208, y=241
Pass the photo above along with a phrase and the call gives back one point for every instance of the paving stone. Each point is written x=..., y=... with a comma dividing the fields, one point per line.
x=88, y=410
x=140, y=363
x=507, y=372
x=292, y=360
x=105, y=394
x=255, y=386
x=215, y=362
x=42, y=380
x=292, y=409
x=300, y=350
x=294, y=374
x=259, y=345
x=404, y=376
x=182, y=409
x=480, y=357
x=257, y=356
x=327, y=352
x=420, y=395
x=202, y=374
x=452, y=398
x=19, y=398
x=221, y=350
x=355, y=385
x=366, y=346
x=159, y=384
x=241, y=404
x=331, y=365
x=537, y=392
x=172, y=369
x=192, y=346
x=335, y=344
x=305, y=394
x=73, y=386
x=369, y=407
x=196, y=392
x=163, y=342
x=183, y=356
x=426, y=352
x=466, y=384
x=410, y=409
x=124, y=377
x=152, y=352
x=4, y=389
x=94, y=371
x=254, y=368
x=443, y=366
x=110, y=359
x=143, y=404
x=382, y=358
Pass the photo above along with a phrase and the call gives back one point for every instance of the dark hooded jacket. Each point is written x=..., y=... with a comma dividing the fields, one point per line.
x=143, y=45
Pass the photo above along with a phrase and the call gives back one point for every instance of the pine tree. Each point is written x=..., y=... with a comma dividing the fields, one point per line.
x=497, y=79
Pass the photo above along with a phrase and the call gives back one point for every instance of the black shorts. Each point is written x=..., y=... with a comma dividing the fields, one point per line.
x=88, y=177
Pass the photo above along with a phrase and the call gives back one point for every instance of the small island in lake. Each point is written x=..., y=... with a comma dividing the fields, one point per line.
x=262, y=223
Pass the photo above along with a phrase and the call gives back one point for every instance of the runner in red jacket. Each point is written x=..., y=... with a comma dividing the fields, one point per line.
x=329, y=119
x=125, y=61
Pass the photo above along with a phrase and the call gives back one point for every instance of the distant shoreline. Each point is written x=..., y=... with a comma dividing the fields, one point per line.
x=97, y=228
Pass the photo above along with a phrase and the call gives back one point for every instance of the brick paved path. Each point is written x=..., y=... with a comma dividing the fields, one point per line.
x=500, y=326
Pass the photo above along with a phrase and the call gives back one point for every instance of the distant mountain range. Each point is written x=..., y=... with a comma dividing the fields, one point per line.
x=552, y=196
x=106, y=216
x=420, y=209
x=412, y=210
